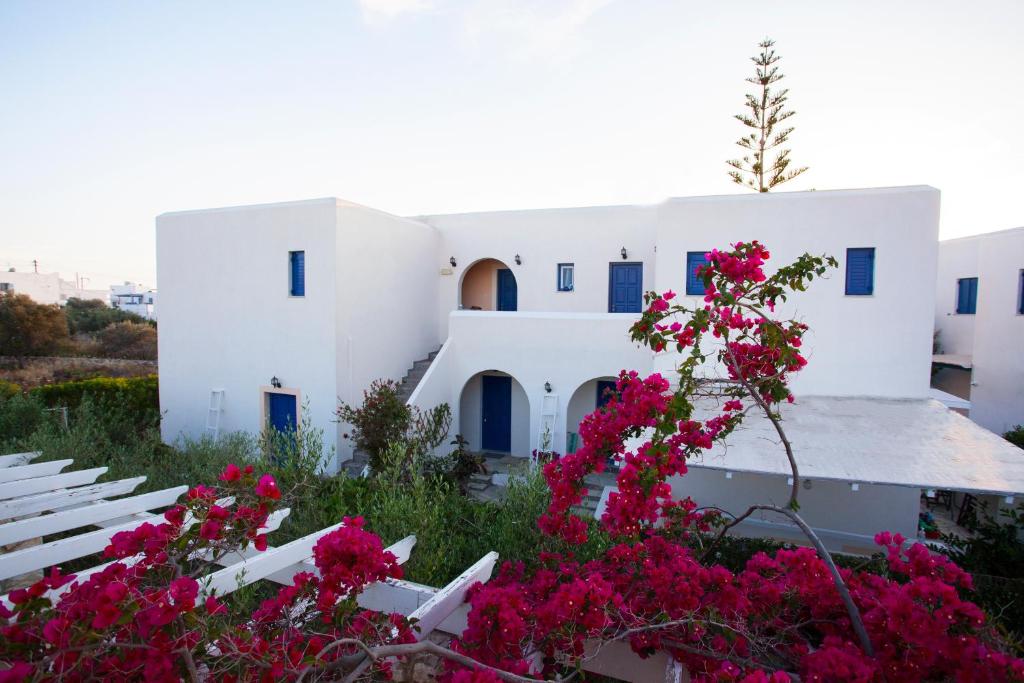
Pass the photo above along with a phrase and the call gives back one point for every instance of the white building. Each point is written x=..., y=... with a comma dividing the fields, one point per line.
x=134, y=298
x=47, y=288
x=270, y=310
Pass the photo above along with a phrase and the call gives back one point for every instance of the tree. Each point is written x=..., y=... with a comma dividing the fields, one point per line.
x=128, y=340
x=30, y=329
x=93, y=315
x=767, y=111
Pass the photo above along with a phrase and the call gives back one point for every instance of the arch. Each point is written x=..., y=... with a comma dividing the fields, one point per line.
x=480, y=286
x=480, y=395
x=582, y=402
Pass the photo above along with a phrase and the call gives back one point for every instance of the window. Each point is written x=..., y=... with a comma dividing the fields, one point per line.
x=6, y=287
x=297, y=273
x=860, y=271
x=694, y=282
x=967, y=295
x=565, y=277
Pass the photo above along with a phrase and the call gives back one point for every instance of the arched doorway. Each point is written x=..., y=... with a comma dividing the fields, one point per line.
x=587, y=398
x=494, y=414
x=489, y=285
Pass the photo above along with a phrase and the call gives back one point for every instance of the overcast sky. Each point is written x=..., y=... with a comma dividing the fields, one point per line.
x=111, y=113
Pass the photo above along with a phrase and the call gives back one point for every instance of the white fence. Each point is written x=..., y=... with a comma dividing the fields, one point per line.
x=39, y=500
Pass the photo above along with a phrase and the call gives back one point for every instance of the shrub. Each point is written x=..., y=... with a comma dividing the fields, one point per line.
x=130, y=340
x=1015, y=436
x=88, y=316
x=140, y=392
x=384, y=419
x=8, y=389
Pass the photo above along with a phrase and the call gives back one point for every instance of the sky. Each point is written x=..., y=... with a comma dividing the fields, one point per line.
x=114, y=112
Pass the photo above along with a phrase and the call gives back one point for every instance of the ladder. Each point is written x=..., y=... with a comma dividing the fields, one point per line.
x=548, y=413
x=214, y=412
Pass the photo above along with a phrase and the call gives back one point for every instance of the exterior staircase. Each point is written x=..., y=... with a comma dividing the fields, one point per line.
x=408, y=384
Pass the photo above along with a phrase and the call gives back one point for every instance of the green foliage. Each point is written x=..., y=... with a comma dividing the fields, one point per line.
x=1015, y=436
x=30, y=329
x=8, y=389
x=458, y=466
x=137, y=398
x=128, y=340
x=384, y=419
x=767, y=110
x=88, y=316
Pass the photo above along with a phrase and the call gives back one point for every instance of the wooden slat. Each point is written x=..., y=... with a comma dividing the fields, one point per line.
x=62, y=550
x=12, y=459
x=17, y=489
x=394, y=595
x=64, y=498
x=87, y=515
x=40, y=469
x=254, y=568
x=431, y=613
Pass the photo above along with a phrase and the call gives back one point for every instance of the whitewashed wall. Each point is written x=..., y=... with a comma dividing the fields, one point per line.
x=992, y=336
x=828, y=506
x=878, y=345
x=44, y=288
x=590, y=238
x=227, y=320
x=387, y=284
x=957, y=259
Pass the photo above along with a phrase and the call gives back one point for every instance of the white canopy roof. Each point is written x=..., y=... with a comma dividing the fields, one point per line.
x=916, y=443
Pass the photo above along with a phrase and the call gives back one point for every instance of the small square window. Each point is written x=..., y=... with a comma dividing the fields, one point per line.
x=566, y=277
x=967, y=295
x=6, y=287
x=297, y=273
x=860, y=271
x=695, y=282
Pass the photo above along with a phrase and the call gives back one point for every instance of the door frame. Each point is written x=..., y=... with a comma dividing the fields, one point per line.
x=611, y=283
x=265, y=392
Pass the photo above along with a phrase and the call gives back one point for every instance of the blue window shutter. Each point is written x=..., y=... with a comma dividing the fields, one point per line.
x=694, y=260
x=967, y=295
x=298, y=273
x=860, y=271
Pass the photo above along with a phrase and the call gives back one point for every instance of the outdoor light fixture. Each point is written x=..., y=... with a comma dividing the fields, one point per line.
x=728, y=475
x=855, y=487
x=624, y=253
x=547, y=387
x=452, y=261
x=519, y=261
x=275, y=382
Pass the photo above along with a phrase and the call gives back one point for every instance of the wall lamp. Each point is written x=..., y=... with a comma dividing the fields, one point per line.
x=519, y=261
x=452, y=261
x=625, y=254
x=547, y=387
x=275, y=382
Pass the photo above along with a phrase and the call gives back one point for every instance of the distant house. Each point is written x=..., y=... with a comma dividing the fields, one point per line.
x=134, y=298
x=271, y=313
x=979, y=320
x=47, y=288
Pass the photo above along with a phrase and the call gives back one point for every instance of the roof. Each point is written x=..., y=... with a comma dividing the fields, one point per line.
x=949, y=400
x=915, y=443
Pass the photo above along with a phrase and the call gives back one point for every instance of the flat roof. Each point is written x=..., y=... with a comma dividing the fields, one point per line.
x=916, y=443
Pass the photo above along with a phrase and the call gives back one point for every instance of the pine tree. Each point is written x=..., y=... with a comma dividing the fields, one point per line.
x=767, y=111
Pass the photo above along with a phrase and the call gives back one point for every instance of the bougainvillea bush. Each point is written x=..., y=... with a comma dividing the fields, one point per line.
x=783, y=616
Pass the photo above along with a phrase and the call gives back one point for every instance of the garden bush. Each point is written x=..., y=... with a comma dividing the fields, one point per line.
x=137, y=399
x=1015, y=436
x=8, y=389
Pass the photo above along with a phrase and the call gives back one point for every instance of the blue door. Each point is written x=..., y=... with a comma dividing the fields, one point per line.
x=508, y=293
x=282, y=412
x=605, y=391
x=625, y=287
x=496, y=411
